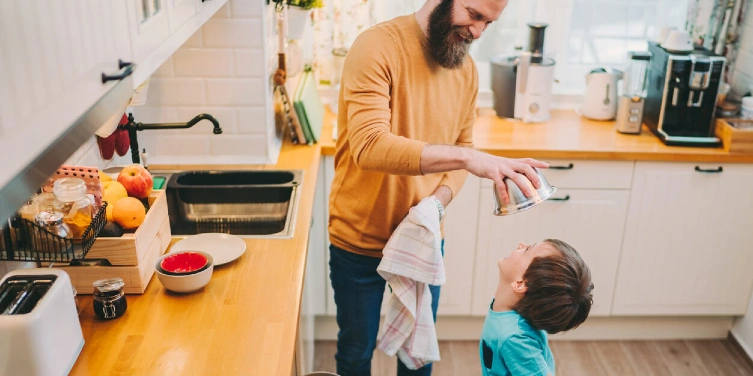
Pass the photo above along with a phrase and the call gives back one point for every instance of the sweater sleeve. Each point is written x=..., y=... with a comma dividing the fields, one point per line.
x=455, y=179
x=366, y=82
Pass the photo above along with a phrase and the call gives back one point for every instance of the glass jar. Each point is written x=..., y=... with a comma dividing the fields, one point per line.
x=51, y=222
x=109, y=298
x=77, y=207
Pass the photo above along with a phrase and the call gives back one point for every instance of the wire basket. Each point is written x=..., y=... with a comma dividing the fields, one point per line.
x=27, y=241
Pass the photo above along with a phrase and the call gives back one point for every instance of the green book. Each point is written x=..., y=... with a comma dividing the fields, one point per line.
x=309, y=107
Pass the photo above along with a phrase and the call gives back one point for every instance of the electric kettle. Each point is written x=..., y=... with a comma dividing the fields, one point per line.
x=600, y=101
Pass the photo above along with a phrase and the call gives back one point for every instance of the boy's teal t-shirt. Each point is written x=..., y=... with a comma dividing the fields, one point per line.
x=511, y=346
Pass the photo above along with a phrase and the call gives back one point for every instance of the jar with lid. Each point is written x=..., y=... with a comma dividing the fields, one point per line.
x=71, y=200
x=51, y=222
x=109, y=298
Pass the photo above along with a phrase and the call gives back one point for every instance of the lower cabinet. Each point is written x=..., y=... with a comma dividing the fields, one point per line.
x=688, y=246
x=590, y=220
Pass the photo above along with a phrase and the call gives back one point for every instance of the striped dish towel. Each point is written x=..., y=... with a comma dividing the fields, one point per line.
x=411, y=261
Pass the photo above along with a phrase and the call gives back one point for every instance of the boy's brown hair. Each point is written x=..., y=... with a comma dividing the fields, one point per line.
x=559, y=296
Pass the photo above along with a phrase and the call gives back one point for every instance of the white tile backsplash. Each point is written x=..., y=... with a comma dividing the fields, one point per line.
x=252, y=120
x=243, y=33
x=203, y=62
x=222, y=70
x=238, y=145
x=166, y=70
x=176, y=91
x=249, y=63
x=235, y=92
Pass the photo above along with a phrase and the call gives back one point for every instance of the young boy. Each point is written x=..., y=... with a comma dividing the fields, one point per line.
x=543, y=288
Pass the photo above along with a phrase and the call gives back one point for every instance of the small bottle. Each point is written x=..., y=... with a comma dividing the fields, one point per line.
x=71, y=200
x=109, y=298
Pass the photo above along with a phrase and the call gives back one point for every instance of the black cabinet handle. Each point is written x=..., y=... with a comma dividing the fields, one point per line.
x=126, y=72
x=568, y=167
x=709, y=171
x=566, y=198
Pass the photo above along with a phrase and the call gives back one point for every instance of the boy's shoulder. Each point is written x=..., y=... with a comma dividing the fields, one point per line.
x=505, y=325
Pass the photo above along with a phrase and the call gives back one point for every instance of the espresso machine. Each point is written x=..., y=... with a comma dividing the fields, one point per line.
x=682, y=94
x=522, y=82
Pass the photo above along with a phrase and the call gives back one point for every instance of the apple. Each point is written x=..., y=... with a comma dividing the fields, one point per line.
x=113, y=191
x=136, y=180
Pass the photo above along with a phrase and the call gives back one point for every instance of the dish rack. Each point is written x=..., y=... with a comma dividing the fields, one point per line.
x=24, y=240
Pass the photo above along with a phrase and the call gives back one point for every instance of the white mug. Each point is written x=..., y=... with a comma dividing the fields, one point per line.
x=678, y=40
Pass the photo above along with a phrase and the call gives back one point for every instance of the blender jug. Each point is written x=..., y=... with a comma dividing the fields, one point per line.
x=630, y=106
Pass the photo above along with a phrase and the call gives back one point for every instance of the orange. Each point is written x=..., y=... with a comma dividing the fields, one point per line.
x=129, y=213
x=108, y=212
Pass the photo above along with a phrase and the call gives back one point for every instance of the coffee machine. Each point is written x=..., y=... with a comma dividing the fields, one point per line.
x=682, y=94
x=522, y=82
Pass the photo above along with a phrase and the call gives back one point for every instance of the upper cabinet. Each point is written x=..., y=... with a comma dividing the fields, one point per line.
x=180, y=11
x=53, y=55
x=149, y=26
x=686, y=249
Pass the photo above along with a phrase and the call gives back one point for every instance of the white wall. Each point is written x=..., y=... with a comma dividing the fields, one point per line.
x=224, y=70
x=742, y=78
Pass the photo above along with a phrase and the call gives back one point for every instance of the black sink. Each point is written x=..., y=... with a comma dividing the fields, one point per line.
x=258, y=202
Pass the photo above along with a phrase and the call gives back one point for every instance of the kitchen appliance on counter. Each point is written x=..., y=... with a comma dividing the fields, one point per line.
x=682, y=94
x=600, y=102
x=39, y=325
x=522, y=82
x=630, y=103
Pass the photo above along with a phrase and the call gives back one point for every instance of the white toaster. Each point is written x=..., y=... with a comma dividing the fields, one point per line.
x=40, y=333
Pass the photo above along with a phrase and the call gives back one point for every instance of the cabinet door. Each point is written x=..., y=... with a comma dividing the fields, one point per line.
x=317, y=279
x=460, y=249
x=179, y=11
x=329, y=174
x=688, y=246
x=149, y=26
x=52, y=57
x=590, y=220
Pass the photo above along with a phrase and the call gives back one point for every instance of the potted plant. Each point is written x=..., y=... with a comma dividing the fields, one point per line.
x=298, y=15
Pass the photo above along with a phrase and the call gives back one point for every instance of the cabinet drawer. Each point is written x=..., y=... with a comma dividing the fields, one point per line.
x=585, y=174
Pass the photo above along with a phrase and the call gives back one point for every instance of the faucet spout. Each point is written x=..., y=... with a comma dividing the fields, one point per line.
x=132, y=127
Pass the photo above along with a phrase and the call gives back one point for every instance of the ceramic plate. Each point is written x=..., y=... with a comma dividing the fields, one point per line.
x=223, y=247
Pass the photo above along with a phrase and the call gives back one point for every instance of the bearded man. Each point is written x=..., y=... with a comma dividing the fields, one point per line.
x=407, y=105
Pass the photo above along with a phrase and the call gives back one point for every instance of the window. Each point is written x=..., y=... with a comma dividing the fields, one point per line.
x=582, y=34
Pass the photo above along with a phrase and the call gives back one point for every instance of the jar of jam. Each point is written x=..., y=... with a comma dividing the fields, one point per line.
x=109, y=298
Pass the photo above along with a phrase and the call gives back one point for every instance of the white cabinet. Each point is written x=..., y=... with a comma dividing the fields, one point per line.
x=52, y=57
x=590, y=220
x=687, y=245
x=459, y=249
x=179, y=11
x=149, y=26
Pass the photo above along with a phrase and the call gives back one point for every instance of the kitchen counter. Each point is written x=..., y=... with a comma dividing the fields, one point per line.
x=569, y=136
x=244, y=322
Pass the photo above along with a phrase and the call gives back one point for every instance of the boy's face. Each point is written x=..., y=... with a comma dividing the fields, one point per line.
x=513, y=267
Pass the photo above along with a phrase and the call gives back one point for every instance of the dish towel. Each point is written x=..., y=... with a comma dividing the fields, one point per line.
x=411, y=261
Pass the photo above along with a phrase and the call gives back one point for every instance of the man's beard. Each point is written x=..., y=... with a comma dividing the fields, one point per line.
x=448, y=44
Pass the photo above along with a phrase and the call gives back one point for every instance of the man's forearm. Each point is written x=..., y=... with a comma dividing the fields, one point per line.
x=444, y=158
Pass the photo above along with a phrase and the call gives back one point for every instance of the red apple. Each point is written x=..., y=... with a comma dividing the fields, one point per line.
x=136, y=180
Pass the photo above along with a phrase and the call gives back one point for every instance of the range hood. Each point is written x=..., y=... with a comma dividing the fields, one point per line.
x=30, y=177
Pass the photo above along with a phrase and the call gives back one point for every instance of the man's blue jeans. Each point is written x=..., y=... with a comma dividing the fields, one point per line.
x=358, y=296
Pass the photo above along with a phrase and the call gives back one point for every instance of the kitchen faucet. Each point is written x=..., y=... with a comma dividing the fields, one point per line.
x=132, y=127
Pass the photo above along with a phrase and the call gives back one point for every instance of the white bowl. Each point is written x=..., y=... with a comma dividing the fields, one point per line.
x=188, y=282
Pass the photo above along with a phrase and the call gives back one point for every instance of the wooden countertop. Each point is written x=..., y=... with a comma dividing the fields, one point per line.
x=244, y=322
x=569, y=136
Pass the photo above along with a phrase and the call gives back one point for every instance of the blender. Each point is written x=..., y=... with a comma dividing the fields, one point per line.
x=630, y=105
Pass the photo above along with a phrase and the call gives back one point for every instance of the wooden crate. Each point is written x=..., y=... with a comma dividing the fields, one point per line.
x=131, y=248
x=735, y=140
x=136, y=278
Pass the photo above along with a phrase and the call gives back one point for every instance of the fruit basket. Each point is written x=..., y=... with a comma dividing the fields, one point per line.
x=25, y=240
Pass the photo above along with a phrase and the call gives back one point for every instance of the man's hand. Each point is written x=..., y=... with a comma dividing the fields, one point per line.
x=496, y=169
